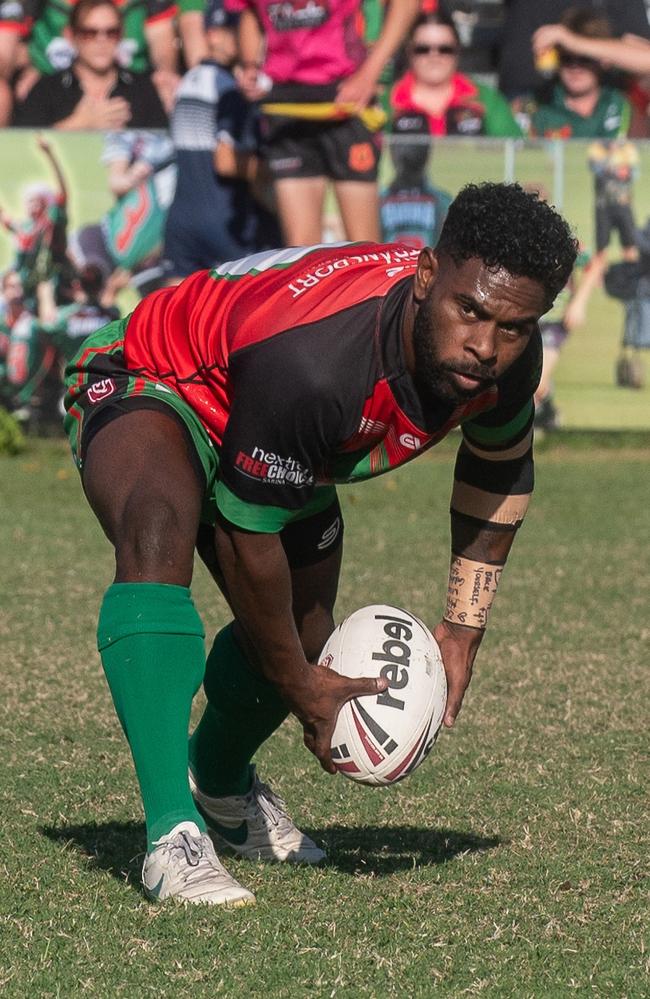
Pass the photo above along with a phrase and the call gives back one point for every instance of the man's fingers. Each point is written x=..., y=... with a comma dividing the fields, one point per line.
x=365, y=686
x=455, y=690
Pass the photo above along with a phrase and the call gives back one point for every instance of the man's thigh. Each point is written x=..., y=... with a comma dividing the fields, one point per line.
x=145, y=488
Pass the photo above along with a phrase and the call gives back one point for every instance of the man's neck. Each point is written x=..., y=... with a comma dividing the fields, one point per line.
x=93, y=83
x=408, y=321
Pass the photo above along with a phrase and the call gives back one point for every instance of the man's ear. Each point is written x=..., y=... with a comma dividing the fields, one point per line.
x=426, y=273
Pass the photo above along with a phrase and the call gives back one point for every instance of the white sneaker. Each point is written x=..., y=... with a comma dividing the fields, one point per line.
x=184, y=866
x=256, y=825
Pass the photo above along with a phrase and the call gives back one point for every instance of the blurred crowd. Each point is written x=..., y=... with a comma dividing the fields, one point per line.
x=226, y=122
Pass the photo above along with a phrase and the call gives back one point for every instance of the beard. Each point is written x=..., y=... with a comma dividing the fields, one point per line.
x=433, y=378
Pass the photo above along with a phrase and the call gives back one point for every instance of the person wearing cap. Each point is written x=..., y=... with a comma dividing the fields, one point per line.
x=411, y=209
x=214, y=216
x=452, y=103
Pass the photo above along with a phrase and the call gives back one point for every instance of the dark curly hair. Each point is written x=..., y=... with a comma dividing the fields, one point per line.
x=505, y=226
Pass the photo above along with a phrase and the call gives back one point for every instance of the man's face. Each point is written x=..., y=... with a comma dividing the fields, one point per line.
x=12, y=288
x=472, y=325
x=579, y=75
x=97, y=39
x=35, y=205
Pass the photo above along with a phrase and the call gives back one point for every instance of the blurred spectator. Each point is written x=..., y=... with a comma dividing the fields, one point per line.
x=215, y=218
x=9, y=44
x=41, y=238
x=630, y=54
x=29, y=373
x=12, y=305
x=191, y=30
x=127, y=242
x=518, y=76
x=580, y=105
x=453, y=103
x=95, y=92
x=630, y=372
x=615, y=166
x=317, y=124
x=148, y=41
x=568, y=313
x=412, y=210
x=67, y=326
x=40, y=342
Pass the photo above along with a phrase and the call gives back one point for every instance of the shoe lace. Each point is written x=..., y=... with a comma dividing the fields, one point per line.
x=186, y=847
x=272, y=806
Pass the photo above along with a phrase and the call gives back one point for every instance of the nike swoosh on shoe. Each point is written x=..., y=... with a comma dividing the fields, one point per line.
x=233, y=834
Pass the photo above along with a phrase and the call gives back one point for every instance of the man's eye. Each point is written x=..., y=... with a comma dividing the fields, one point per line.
x=466, y=309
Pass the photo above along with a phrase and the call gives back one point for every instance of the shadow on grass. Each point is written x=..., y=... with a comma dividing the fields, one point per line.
x=384, y=850
x=116, y=847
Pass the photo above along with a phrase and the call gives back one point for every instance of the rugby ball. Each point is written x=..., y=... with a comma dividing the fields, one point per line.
x=381, y=738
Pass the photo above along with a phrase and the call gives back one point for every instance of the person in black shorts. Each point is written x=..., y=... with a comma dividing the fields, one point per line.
x=220, y=416
x=615, y=166
x=317, y=87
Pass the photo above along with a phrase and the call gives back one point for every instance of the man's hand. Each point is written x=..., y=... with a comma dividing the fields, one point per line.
x=458, y=645
x=253, y=84
x=316, y=698
x=575, y=315
x=357, y=90
x=549, y=36
x=101, y=113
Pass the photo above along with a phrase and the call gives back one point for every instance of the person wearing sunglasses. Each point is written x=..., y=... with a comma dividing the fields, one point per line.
x=95, y=92
x=453, y=103
x=579, y=104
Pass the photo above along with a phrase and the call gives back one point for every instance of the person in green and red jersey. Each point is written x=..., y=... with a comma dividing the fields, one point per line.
x=580, y=105
x=41, y=238
x=453, y=103
x=220, y=416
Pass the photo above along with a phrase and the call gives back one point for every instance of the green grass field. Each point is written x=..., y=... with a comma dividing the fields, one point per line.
x=514, y=863
x=586, y=394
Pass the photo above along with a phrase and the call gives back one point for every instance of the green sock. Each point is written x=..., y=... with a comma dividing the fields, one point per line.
x=151, y=641
x=243, y=710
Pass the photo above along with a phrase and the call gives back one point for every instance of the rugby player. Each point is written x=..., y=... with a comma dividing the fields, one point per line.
x=219, y=416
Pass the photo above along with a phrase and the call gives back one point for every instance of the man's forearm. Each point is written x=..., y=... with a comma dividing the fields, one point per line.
x=477, y=560
x=398, y=20
x=488, y=504
x=250, y=39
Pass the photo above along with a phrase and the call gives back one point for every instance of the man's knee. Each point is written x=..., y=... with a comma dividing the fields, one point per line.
x=154, y=540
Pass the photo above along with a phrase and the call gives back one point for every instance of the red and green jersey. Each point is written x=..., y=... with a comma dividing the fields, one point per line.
x=293, y=361
x=41, y=245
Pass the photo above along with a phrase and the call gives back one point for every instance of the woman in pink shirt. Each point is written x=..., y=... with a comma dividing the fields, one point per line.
x=317, y=125
x=453, y=103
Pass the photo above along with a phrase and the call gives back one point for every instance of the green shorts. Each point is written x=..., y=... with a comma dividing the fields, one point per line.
x=100, y=388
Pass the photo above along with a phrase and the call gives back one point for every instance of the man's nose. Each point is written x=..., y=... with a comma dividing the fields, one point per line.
x=482, y=342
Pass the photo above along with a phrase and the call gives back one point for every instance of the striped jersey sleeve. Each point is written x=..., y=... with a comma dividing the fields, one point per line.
x=494, y=475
